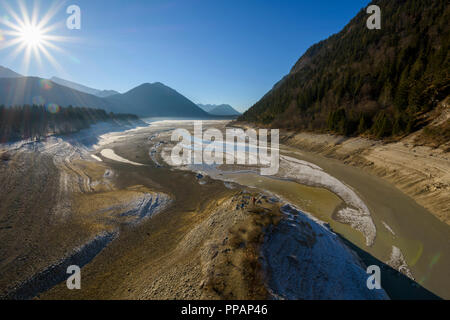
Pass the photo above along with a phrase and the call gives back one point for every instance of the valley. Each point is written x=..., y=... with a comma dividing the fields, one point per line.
x=178, y=234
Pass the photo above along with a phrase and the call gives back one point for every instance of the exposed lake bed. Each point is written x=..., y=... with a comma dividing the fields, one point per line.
x=417, y=245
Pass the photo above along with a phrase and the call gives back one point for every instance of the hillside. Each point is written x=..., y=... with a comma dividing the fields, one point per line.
x=155, y=100
x=31, y=90
x=219, y=110
x=378, y=83
x=36, y=122
x=85, y=89
x=147, y=100
x=8, y=73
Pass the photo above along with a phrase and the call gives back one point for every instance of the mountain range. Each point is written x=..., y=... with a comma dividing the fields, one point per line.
x=379, y=83
x=82, y=88
x=147, y=100
x=161, y=100
x=219, y=110
x=32, y=90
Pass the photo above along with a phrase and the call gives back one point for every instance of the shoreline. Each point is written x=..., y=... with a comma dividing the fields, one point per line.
x=420, y=172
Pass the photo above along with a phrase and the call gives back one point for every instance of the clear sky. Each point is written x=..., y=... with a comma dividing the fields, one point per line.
x=211, y=51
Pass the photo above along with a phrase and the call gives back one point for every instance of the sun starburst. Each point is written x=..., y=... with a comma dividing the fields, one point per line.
x=30, y=34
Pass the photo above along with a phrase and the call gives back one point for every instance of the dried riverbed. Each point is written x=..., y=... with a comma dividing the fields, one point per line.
x=120, y=183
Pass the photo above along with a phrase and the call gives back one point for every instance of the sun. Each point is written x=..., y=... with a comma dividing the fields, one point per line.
x=31, y=35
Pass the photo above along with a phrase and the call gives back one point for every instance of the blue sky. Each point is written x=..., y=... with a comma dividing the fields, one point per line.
x=211, y=51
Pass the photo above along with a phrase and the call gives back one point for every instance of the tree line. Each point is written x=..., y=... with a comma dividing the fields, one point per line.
x=36, y=121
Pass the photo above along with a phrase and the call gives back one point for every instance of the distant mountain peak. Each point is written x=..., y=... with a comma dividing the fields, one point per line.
x=21, y=91
x=156, y=100
x=146, y=100
x=85, y=89
x=219, y=110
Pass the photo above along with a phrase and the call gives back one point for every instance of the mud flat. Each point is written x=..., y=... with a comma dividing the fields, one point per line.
x=61, y=206
x=204, y=242
x=153, y=260
x=57, y=273
x=205, y=246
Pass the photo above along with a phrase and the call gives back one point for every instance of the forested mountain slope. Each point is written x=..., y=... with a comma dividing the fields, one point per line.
x=380, y=83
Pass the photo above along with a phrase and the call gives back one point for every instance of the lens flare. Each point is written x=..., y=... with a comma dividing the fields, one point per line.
x=53, y=108
x=30, y=33
x=46, y=84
